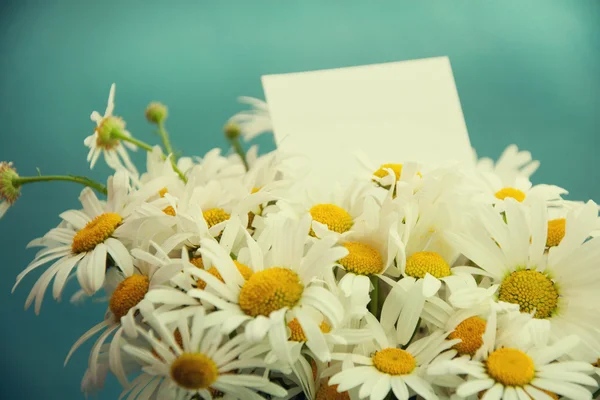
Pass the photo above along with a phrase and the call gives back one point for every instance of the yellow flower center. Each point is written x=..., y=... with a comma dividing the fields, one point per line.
x=556, y=232
x=362, y=259
x=336, y=218
x=169, y=210
x=162, y=192
x=470, y=331
x=394, y=361
x=255, y=189
x=510, y=192
x=95, y=232
x=510, y=367
x=194, y=371
x=215, y=216
x=244, y=270
x=270, y=290
x=327, y=392
x=381, y=172
x=423, y=262
x=297, y=333
x=197, y=262
x=531, y=290
x=128, y=294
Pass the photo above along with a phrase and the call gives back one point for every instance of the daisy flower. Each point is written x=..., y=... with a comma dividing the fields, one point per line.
x=372, y=249
x=213, y=167
x=390, y=368
x=84, y=240
x=126, y=293
x=270, y=282
x=559, y=289
x=202, y=363
x=509, y=178
x=103, y=140
x=8, y=192
x=255, y=121
x=518, y=371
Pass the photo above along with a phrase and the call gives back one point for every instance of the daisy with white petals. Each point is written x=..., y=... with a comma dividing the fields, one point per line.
x=254, y=121
x=390, y=368
x=84, y=240
x=560, y=289
x=263, y=287
x=514, y=371
x=201, y=362
x=127, y=295
x=105, y=139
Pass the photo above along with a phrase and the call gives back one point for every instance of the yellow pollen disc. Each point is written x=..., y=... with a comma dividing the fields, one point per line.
x=327, y=392
x=336, y=218
x=128, y=294
x=255, y=189
x=244, y=270
x=394, y=361
x=194, y=371
x=510, y=367
x=95, y=232
x=297, y=333
x=597, y=363
x=556, y=232
x=510, y=192
x=531, y=290
x=362, y=259
x=470, y=331
x=197, y=262
x=381, y=172
x=169, y=211
x=423, y=262
x=215, y=216
x=162, y=192
x=270, y=290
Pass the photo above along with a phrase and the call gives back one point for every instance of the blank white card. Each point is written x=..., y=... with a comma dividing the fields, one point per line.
x=391, y=113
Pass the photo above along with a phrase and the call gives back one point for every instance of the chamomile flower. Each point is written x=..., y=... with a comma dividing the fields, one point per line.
x=255, y=121
x=203, y=363
x=280, y=283
x=84, y=241
x=519, y=371
x=390, y=368
x=213, y=167
x=560, y=289
x=126, y=293
x=104, y=140
x=8, y=192
x=509, y=178
x=372, y=249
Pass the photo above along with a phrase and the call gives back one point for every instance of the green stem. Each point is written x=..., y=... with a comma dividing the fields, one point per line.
x=413, y=335
x=97, y=186
x=374, y=304
x=169, y=149
x=164, y=135
x=130, y=139
x=148, y=148
x=237, y=146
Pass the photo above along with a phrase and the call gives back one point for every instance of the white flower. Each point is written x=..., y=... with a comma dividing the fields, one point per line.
x=560, y=289
x=391, y=368
x=506, y=371
x=126, y=293
x=102, y=140
x=203, y=362
x=268, y=282
x=255, y=121
x=83, y=241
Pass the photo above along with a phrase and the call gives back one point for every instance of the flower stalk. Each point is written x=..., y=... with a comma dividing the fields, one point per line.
x=82, y=180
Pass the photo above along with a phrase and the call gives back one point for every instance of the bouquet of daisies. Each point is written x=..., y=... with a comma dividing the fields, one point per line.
x=231, y=277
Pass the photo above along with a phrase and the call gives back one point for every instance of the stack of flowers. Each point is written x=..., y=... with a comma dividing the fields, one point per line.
x=229, y=277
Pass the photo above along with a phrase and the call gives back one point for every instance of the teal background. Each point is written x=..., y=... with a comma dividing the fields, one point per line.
x=526, y=72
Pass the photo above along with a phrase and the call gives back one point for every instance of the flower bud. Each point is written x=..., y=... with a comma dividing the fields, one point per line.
x=232, y=130
x=156, y=113
x=9, y=193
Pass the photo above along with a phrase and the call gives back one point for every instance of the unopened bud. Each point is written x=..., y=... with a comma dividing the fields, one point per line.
x=156, y=113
